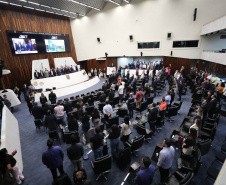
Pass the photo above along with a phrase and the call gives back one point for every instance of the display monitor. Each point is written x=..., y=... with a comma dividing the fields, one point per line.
x=24, y=45
x=54, y=45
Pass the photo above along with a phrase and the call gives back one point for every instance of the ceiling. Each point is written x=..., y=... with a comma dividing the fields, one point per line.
x=68, y=8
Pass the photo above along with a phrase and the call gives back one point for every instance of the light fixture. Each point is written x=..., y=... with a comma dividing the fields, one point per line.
x=113, y=2
x=49, y=12
x=33, y=3
x=40, y=10
x=64, y=11
x=126, y=1
x=55, y=8
x=45, y=6
x=23, y=0
x=4, y=2
x=73, y=1
x=15, y=4
x=28, y=7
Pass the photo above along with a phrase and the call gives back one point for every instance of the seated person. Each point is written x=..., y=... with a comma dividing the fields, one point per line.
x=80, y=178
x=189, y=143
x=146, y=174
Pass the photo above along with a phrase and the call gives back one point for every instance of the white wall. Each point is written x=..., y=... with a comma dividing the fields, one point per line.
x=146, y=20
x=213, y=42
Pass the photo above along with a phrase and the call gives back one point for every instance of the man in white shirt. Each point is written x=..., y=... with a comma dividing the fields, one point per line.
x=168, y=99
x=59, y=111
x=120, y=92
x=165, y=160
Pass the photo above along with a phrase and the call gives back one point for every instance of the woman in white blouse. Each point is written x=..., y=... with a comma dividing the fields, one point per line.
x=126, y=129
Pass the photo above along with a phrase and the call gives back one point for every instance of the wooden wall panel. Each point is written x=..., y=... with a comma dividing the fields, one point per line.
x=15, y=18
x=176, y=63
x=211, y=67
x=101, y=63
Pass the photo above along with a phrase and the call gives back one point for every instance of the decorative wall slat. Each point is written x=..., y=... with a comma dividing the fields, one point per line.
x=14, y=18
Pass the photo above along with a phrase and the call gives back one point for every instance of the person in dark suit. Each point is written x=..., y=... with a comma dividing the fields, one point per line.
x=58, y=72
x=182, y=71
x=67, y=106
x=43, y=99
x=111, y=95
x=127, y=75
x=180, y=89
x=51, y=121
x=46, y=108
x=130, y=104
x=52, y=97
x=81, y=180
x=205, y=108
x=154, y=85
x=172, y=94
x=212, y=106
x=152, y=117
x=41, y=74
x=72, y=123
x=104, y=87
x=102, y=97
x=51, y=74
x=134, y=85
x=36, y=74
x=37, y=111
x=209, y=96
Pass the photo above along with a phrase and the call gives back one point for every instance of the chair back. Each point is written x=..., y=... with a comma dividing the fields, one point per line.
x=204, y=146
x=173, y=111
x=137, y=143
x=53, y=135
x=187, y=179
x=67, y=136
x=122, y=112
x=100, y=106
x=89, y=110
x=101, y=164
x=113, y=121
x=38, y=123
x=141, y=129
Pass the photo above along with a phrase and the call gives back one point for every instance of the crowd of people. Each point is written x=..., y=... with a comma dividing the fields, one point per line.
x=115, y=84
x=55, y=72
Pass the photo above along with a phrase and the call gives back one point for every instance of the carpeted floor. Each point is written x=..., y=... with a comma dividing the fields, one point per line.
x=33, y=144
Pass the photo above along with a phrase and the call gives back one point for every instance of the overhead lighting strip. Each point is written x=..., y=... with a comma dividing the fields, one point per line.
x=113, y=2
x=4, y=2
x=15, y=4
x=33, y=3
x=84, y=5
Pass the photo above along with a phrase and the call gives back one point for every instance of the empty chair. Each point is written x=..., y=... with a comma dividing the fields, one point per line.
x=212, y=173
x=115, y=100
x=122, y=112
x=143, y=107
x=122, y=157
x=145, y=132
x=38, y=124
x=220, y=157
x=179, y=178
x=113, y=121
x=172, y=112
x=135, y=143
x=101, y=166
x=204, y=146
x=150, y=100
x=192, y=164
x=67, y=136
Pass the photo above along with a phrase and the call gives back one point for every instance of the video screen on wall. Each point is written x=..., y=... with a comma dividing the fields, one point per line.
x=22, y=42
x=24, y=46
x=54, y=45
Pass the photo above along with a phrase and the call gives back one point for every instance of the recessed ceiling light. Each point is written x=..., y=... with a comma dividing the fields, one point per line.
x=15, y=4
x=40, y=10
x=28, y=7
x=4, y=2
x=33, y=3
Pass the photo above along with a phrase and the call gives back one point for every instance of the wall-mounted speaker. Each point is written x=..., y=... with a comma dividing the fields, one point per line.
x=141, y=54
x=195, y=13
x=106, y=54
x=171, y=53
x=131, y=37
x=98, y=39
x=169, y=35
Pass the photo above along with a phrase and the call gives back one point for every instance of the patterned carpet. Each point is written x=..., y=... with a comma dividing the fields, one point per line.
x=33, y=144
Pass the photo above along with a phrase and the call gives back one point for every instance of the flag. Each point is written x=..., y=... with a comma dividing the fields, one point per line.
x=42, y=67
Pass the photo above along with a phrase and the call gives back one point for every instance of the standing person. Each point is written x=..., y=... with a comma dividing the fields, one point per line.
x=220, y=90
x=130, y=105
x=182, y=71
x=37, y=112
x=138, y=97
x=107, y=110
x=50, y=121
x=168, y=99
x=95, y=72
x=91, y=71
x=146, y=92
x=95, y=116
x=17, y=92
x=72, y=123
x=126, y=129
x=165, y=160
x=152, y=117
x=53, y=158
x=43, y=99
x=97, y=143
x=75, y=153
x=85, y=124
x=114, y=138
x=214, y=80
x=134, y=84
x=30, y=103
x=7, y=102
x=120, y=92
x=24, y=90
x=59, y=111
x=172, y=94
x=212, y=106
x=67, y=105
x=154, y=86
x=189, y=143
x=11, y=164
x=180, y=89
x=146, y=174
x=52, y=97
